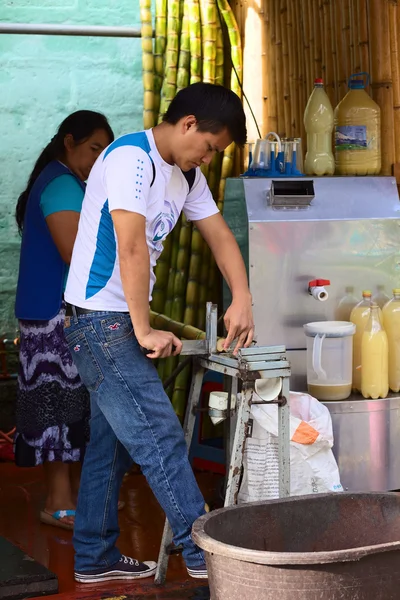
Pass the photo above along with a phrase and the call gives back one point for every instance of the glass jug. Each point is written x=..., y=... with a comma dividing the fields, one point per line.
x=329, y=359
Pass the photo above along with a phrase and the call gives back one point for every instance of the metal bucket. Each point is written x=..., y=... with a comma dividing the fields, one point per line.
x=329, y=546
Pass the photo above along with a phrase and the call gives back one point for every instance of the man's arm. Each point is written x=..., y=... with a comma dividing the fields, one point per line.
x=134, y=261
x=239, y=316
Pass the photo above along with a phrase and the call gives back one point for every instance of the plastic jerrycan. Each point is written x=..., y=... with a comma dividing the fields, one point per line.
x=318, y=123
x=357, y=131
x=359, y=316
x=329, y=359
x=374, y=357
x=391, y=323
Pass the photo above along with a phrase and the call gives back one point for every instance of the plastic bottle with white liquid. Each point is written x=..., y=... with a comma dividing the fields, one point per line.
x=391, y=323
x=374, y=357
x=318, y=123
x=359, y=316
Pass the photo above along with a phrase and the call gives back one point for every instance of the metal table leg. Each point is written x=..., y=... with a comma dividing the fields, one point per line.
x=284, y=440
x=188, y=427
x=236, y=460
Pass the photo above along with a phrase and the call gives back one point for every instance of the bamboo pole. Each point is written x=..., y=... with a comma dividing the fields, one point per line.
x=183, y=75
x=285, y=58
x=353, y=39
x=381, y=75
x=317, y=39
x=161, y=273
x=310, y=18
x=279, y=68
x=195, y=40
x=265, y=65
x=306, y=45
x=236, y=86
x=208, y=14
x=395, y=17
x=292, y=71
x=363, y=41
x=327, y=48
x=148, y=63
x=160, y=44
x=354, y=27
x=341, y=68
x=300, y=67
x=334, y=52
x=219, y=59
x=172, y=268
x=346, y=32
x=182, y=265
x=168, y=89
x=271, y=54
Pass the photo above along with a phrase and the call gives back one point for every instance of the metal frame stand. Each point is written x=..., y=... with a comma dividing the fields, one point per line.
x=250, y=364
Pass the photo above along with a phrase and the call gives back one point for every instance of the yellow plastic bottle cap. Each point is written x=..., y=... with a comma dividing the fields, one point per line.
x=366, y=293
x=396, y=291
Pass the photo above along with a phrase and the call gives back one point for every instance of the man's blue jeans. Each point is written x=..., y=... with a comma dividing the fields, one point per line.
x=132, y=418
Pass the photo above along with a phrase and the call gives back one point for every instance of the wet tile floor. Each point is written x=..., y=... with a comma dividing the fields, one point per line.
x=141, y=524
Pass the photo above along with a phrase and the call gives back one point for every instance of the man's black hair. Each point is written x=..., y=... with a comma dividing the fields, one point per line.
x=215, y=108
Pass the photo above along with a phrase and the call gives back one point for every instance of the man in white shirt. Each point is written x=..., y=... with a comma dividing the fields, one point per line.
x=135, y=194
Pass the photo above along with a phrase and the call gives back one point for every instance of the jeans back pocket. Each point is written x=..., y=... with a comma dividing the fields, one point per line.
x=117, y=328
x=83, y=356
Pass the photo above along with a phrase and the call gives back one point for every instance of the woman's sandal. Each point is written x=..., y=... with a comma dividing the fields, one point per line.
x=56, y=517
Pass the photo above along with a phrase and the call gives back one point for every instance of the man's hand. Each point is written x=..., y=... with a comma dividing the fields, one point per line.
x=239, y=323
x=161, y=343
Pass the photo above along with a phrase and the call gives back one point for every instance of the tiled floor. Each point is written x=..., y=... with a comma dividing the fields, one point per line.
x=141, y=523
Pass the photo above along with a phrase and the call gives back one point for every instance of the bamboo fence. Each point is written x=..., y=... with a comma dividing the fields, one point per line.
x=328, y=39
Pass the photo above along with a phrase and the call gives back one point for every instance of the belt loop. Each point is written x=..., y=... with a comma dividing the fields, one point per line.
x=76, y=321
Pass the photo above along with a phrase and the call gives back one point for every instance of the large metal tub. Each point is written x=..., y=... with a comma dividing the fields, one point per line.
x=325, y=547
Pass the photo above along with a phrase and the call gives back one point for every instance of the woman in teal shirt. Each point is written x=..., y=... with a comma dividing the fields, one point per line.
x=52, y=403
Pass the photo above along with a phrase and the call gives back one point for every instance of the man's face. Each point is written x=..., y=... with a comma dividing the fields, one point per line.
x=195, y=148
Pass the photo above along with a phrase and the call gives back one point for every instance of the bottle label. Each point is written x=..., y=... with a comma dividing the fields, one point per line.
x=351, y=137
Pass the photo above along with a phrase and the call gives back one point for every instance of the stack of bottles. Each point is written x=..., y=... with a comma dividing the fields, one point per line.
x=376, y=349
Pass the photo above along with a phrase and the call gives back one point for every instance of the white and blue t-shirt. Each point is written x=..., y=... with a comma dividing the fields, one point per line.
x=131, y=175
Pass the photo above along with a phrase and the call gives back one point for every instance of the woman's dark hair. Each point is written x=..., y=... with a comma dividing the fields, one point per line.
x=81, y=125
x=215, y=108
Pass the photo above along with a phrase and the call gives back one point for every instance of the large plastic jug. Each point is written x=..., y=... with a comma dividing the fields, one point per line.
x=318, y=123
x=391, y=323
x=329, y=359
x=359, y=316
x=357, y=131
x=374, y=358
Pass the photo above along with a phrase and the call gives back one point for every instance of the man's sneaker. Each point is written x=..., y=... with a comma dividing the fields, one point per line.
x=125, y=568
x=199, y=572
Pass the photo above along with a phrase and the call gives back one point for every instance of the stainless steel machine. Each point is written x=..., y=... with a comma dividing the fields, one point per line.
x=344, y=232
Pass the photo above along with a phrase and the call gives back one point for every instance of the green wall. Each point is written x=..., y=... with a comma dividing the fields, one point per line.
x=42, y=80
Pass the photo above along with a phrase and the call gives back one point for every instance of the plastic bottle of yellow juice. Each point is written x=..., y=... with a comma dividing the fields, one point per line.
x=359, y=316
x=318, y=123
x=391, y=323
x=374, y=358
x=357, y=121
